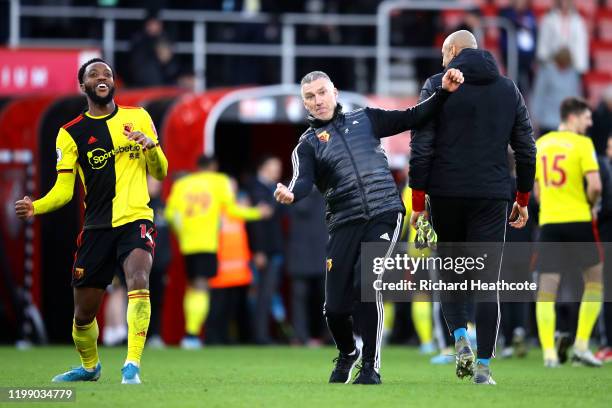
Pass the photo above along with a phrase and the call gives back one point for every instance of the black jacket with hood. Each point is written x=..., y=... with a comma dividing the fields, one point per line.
x=463, y=151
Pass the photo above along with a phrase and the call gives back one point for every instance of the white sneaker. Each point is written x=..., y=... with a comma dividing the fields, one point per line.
x=585, y=358
x=507, y=352
x=551, y=363
x=156, y=342
x=191, y=343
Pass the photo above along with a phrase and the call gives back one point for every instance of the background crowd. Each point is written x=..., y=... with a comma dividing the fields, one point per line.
x=561, y=46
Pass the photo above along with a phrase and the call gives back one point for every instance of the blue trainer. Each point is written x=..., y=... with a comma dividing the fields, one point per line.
x=427, y=348
x=130, y=374
x=79, y=374
x=442, y=359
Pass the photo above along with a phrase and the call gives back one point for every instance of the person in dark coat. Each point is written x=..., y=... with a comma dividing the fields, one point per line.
x=602, y=123
x=306, y=264
x=267, y=243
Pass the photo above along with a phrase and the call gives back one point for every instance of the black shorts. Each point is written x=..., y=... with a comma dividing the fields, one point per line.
x=567, y=246
x=101, y=252
x=202, y=265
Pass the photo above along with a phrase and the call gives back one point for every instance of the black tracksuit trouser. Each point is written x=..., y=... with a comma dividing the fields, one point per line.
x=343, y=284
x=465, y=220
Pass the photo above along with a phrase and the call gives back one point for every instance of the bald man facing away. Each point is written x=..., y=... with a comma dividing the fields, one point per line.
x=460, y=160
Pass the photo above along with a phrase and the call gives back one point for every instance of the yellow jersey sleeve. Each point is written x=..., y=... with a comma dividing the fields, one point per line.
x=61, y=193
x=588, y=157
x=66, y=151
x=157, y=164
x=232, y=207
x=171, y=210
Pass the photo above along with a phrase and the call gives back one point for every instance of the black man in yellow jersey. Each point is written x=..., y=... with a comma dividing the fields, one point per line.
x=111, y=148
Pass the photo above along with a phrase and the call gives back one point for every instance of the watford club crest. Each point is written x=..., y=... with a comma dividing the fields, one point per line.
x=79, y=273
x=323, y=136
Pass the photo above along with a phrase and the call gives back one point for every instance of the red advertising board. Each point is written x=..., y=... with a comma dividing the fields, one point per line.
x=26, y=71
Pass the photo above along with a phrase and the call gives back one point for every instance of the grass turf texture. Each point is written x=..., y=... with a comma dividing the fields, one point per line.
x=297, y=377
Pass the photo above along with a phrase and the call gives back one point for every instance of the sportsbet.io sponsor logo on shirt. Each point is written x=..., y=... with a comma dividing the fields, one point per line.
x=98, y=157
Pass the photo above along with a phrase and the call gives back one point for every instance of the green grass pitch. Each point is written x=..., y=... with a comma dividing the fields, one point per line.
x=296, y=377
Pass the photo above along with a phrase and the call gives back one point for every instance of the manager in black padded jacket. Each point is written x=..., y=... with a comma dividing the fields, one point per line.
x=341, y=154
x=460, y=160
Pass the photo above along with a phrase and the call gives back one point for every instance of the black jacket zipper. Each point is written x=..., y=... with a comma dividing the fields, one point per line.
x=364, y=202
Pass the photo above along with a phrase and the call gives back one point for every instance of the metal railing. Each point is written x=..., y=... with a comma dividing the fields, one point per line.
x=287, y=49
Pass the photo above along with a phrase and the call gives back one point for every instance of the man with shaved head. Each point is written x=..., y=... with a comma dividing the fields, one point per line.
x=459, y=160
x=341, y=154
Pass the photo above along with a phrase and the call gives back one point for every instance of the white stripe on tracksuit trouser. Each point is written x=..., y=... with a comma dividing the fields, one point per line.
x=343, y=284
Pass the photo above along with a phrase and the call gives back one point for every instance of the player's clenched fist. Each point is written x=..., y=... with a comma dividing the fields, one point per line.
x=24, y=208
x=283, y=195
x=140, y=138
x=452, y=80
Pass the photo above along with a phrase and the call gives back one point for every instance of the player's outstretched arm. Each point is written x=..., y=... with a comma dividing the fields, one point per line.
x=246, y=213
x=56, y=198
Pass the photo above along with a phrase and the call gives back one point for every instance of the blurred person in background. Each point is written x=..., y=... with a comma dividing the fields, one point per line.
x=566, y=158
x=472, y=22
x=604, y=223
x=563, y=27
x=421, y=307
x=306, y=266
x=229, y=290
x=555, y=81
x=152, y=60
x=518, y=257
x=601, y=130
x=522, y=17
x=163, y=254
x=115, y=325
x=193, y=210
x=268, y=245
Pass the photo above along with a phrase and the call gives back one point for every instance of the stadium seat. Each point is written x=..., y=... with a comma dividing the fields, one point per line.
x=587, y=8
x=541, y=7
x=595, y=83
x=451, y=19
x=502, y=3
x=546, y=4
x=475, y=3
x=604, y=25
x=601, y=53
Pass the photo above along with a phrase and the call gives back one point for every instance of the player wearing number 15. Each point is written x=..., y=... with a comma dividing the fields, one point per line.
x=111, y=147
x=565, y=159
x=194, y=211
